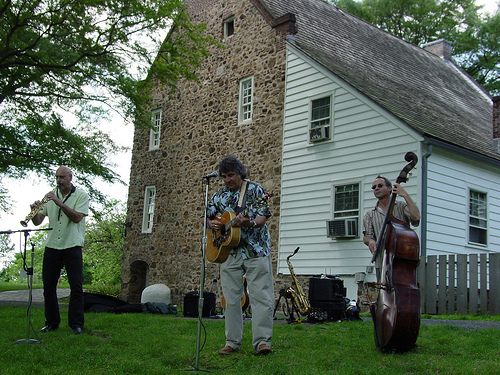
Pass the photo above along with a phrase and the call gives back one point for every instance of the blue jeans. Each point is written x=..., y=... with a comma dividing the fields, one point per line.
x=53, y=262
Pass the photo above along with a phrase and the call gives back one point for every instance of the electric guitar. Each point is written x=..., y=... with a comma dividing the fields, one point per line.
x=220, y=243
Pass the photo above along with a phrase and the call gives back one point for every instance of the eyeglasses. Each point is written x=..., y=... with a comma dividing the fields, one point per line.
x=377, y=186
x=61, y=176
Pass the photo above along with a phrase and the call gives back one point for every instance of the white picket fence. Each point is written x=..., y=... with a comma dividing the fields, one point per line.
x=462, y=284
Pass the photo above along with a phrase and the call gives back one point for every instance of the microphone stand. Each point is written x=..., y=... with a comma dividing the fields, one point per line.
x=29, y=273
x=202, y=274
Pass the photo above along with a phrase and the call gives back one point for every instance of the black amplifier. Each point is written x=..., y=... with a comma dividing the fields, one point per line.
x=326, y=289
x=191, y=304
x=327, y=311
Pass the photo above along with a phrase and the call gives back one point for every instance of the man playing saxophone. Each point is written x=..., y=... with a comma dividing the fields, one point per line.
x=66, y=209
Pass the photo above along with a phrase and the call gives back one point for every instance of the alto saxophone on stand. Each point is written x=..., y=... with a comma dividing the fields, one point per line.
x=36, y=209
x=295, y=291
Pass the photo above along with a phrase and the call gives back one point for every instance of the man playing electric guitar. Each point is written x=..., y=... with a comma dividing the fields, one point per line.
x=249, y=258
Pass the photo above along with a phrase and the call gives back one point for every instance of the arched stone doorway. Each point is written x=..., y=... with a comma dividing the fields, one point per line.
x=137, y=281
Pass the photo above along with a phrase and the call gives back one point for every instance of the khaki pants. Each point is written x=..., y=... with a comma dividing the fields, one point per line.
x=259, y=275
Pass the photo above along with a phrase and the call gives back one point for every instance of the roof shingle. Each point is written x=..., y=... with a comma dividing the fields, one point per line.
x=430, y=94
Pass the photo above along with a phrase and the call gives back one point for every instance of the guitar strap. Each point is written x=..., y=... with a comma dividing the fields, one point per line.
x=243, y=198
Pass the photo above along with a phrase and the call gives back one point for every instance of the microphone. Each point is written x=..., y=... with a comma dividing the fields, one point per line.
x=210, y=175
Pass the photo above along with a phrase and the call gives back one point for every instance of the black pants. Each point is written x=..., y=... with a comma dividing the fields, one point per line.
x=53, y=262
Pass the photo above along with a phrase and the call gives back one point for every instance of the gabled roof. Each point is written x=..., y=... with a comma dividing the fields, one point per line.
x=430, y=94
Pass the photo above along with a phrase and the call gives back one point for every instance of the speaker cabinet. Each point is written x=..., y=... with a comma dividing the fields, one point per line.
x=327, y=311
x=326, y=289
x=191, y=304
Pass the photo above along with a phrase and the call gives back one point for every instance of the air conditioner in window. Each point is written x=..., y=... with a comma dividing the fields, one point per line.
x=342, y=228
x=319, y=133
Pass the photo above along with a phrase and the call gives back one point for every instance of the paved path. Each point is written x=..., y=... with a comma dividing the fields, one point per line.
x=21, y=297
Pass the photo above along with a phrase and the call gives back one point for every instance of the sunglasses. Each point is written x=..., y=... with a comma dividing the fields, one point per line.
x=377, y=186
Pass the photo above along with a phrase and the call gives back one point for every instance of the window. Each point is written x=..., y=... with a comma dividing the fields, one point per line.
x=345, y=212
x=228, y=27
x=154, y=134
x=246, y=97
x=320, y=119
x=477, y=218
x=149, y=208
x=346, y=202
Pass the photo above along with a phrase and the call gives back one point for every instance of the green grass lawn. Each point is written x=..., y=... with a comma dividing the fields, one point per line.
x=164, y=344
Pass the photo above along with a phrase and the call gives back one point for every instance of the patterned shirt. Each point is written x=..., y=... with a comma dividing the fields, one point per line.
x=254, y=242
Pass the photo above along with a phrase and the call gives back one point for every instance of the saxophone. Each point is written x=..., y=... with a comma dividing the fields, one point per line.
x=295, y=291
x=36, y=209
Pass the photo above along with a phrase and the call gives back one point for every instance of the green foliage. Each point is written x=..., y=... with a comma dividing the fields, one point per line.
x=475, y=38
x=22, y=258
x=102, y=252
x=6, y=252
x=84, y=58
x=113, y=290
x=477, y=50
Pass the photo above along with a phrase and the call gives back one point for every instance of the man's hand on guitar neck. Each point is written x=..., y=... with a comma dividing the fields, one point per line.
x=258, y=222
x=241, y=221
x=244, y=221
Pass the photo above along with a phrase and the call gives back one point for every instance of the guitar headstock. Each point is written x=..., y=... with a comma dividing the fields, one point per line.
x=267, y=196
x=262, y=200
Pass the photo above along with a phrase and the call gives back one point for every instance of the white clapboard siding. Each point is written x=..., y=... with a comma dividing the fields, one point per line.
x=366, y=141
x=449, y=179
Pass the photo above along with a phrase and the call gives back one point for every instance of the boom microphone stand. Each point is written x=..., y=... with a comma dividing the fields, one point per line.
x=29, y=273
x=202, y=276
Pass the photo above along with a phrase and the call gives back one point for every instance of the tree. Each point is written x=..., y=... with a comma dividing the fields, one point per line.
x=477, y=51
x=84, y=58
x=102, y=252
x=6, y=249
x=475, y=38
x=22, y=258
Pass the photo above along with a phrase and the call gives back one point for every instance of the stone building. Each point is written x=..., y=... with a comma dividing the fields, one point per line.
x=316, y=103
x=198, y=127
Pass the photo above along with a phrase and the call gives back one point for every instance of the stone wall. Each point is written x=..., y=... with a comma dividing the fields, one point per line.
x=199, y=127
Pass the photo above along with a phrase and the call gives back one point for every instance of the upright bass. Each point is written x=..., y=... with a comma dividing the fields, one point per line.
x=396, y=313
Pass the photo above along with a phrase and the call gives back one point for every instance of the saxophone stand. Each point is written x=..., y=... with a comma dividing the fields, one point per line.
x=29, y=273
x=202, y=273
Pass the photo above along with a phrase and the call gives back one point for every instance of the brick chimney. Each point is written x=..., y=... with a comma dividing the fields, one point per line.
x=496, y=124
x=441, y=48
x=496, y=117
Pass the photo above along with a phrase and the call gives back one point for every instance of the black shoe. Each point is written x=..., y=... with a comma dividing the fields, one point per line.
x=48, y=328
x=77, y=330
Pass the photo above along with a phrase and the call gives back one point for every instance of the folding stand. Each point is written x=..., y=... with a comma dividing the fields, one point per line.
x=29, y=273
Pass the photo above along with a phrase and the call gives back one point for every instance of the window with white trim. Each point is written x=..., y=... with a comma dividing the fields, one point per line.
x=346, y=200
x=345, y=221
x=320, y=125
x=154, y=134
x=149, y=209
x=478, y=218
x=245, y=100
x=228, y=27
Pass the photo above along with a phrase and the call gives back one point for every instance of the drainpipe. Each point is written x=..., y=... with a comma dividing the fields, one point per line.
x=423, y=237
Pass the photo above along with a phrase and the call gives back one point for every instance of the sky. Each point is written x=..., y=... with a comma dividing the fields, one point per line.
x=25, y=192
x=489, y=5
